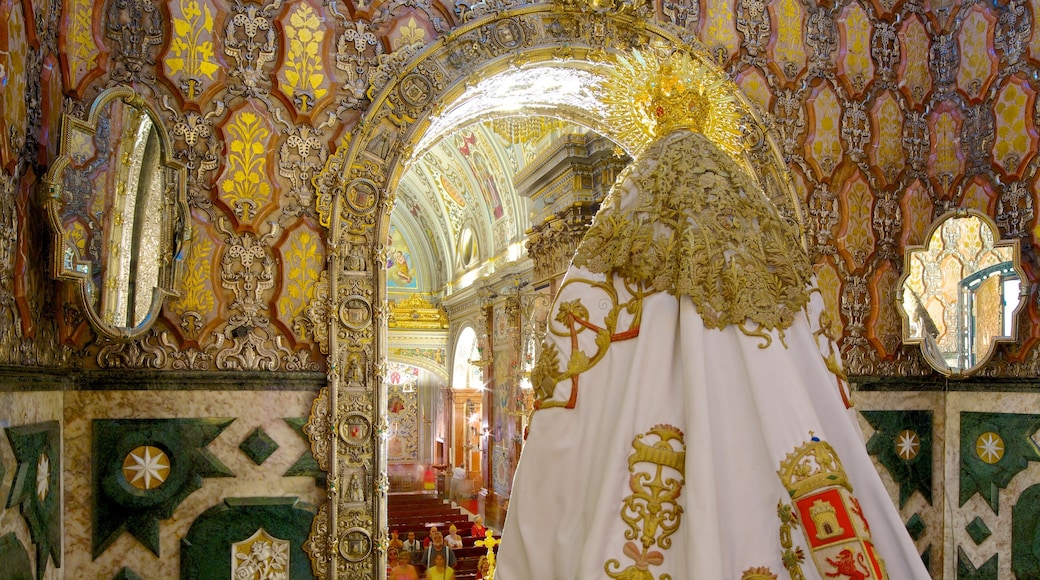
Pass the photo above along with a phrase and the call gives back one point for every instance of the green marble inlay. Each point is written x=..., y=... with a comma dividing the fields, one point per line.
x=126, y=574
x=1025, y=534
x=143, y=469
x=258, y=446
x=306, y=465
x=902, y=443
x=978, y=530
x=926, y=557
x=995, y=447
x=206, y=549
x=915, y=525
x=14, y=560
x=36, y=487
x=967, y=571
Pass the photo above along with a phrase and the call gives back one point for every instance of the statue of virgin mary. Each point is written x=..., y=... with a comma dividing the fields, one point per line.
x=692, y=421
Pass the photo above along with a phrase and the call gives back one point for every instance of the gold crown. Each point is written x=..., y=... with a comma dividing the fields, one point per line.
x=649, y=95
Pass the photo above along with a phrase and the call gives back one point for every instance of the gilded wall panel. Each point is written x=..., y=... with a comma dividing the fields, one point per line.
x=975, y=72
x=303, y=76
x=80, y=52
x=718, y=30
x=855, y=67
x=946, y=164
x=14, y=46
x=887, y=151
x=914, y=77
x=823, y=148
x=1016, y=139
x=192, y=60
x=196, y=311
x=856, y=242
x=788, y=56
x=301, y=252
x=245, y=186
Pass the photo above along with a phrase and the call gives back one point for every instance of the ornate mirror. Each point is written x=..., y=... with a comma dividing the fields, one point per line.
x=117, y=208
x=961, y=293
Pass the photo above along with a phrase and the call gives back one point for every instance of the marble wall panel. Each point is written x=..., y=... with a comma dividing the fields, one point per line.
x=16, y=409
x=966, y=536
x=250, y=410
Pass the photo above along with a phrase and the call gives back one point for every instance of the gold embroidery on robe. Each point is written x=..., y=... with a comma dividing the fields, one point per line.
x=831, y=519
x=652, y=511
x=760, y=573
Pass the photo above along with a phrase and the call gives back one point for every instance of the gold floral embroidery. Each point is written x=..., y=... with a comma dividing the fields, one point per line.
x=792, y=556
x=687, y=220
x=571, y=320
x=651, y=511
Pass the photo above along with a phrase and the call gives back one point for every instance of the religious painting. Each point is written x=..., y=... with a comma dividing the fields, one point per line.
x=500, y=470
x=480, y=168
x=400, y=271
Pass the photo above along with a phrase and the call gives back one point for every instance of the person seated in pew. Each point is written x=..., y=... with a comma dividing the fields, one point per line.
x=395, y=541
x=404, y=569
x=440, y=570
x=453, y=539
x=437, y=547
x=411, y=544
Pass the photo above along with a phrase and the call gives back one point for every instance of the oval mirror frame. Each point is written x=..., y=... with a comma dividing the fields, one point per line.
x=122, y=251
x=960, y=294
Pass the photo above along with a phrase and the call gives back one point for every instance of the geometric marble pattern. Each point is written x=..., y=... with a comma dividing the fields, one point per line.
x=1025, y=534
x=915, y=526
x=967, y=571
x=258, y=446
x=35, y=488
x=143, y=469
x=272, y=529
x=306, y=465
x=902, y=442
x=995, y=447
x=978, y=530
x=14, y=560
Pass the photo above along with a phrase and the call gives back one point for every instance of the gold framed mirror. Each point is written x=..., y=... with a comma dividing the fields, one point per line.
x=119, y=216
x=961, y=292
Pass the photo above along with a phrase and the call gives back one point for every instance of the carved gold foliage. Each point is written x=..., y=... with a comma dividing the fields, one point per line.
x=196, y=301
x=246, y=187
x=302, y=76
x=301, y=266
x=191, y=53
x=80, y=48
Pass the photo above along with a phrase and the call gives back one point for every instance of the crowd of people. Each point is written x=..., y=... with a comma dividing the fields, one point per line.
x=433, y=558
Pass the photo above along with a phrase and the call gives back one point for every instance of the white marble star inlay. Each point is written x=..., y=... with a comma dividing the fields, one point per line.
x=43, y=476
x=146, y=467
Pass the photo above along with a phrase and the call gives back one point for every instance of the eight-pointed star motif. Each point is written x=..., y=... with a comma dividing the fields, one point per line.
x=146, y=467
x=989, y=447
x=907, y=444
x=43, y=476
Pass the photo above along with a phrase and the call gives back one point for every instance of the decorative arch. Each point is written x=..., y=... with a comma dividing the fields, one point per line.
x=413, y=91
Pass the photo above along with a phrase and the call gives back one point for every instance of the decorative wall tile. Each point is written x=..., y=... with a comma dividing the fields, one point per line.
x=788, y=20
x=207, y=549
x=306, y=465
x=144, y=468
x=902, y=443
x=977, y=61
x=258, y=446
x=855, y=67
x=36, y=488
x=995, y=447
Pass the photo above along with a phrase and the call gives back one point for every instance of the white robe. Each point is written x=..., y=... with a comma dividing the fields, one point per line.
x=743, y=411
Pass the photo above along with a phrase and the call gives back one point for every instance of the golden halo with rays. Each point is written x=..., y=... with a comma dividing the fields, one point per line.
x=648, y=96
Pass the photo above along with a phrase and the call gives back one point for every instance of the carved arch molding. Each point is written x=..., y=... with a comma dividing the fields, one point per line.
x=348, y=423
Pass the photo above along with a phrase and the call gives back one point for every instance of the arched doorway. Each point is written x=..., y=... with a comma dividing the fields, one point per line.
x=535, y=60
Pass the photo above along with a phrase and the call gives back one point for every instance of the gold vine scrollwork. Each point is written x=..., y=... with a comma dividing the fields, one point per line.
x=652, y=511
x=575, y=319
